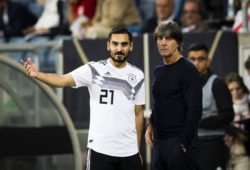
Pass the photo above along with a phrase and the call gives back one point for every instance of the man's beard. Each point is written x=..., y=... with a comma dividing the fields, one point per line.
x=119, y=59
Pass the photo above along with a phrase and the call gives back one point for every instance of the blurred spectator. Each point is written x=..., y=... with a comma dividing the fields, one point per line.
x=48, y=19
x=236, y=140
x=193, y=17
x=217, y=13
x=80, y=14
x=164, y=12
x=217, y=110
x=232, y=8
x=111, y=13
x=51, y=22
x=78, y=8
x=14, y=18
x=216, y=10
x=236, y=5
x=238, y=21
x=178, y=8
x=36, y=7
x=146, y=8
x=239, y=94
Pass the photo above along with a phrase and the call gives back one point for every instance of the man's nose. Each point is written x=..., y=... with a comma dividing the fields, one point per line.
x=163, y=42
x=195, y=62
x=119, y=47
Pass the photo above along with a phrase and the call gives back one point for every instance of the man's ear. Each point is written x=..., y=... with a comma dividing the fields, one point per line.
x=131, y=46
x=108, y=46
x=208, y=61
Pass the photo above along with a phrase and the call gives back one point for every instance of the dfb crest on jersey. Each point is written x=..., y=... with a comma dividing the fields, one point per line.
x=132, y=78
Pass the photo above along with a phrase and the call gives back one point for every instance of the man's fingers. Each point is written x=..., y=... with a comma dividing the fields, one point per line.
x=27, y=67
x=27, y=64
x=29, y=61
x=149, y=142
x=141, y=159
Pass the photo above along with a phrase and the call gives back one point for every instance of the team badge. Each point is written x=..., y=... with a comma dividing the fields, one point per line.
x=132, y=78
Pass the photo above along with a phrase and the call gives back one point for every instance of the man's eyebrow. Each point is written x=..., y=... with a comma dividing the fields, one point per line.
x=123, y=42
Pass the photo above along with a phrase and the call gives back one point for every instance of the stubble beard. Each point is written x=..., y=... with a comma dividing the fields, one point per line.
x=119, y=59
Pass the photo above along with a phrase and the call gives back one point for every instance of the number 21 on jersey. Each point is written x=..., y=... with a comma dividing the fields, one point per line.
x=106, y=96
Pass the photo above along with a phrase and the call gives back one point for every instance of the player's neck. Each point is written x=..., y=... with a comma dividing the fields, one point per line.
x=118, y=64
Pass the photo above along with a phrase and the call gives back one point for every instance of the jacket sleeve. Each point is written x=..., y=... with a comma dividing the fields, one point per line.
x=192, y=90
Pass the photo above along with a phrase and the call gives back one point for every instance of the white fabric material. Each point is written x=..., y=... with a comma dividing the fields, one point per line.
x=241, y=106
x=188, y=29
x=246, y=79
x=50, y=15
x=169, y=19
x=238, y=22
x=113, y=93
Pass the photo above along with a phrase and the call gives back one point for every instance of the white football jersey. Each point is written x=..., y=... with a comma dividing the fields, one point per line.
x=114, y=92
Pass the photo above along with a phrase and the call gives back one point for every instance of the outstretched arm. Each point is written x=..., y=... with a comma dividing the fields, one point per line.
x=51, y=79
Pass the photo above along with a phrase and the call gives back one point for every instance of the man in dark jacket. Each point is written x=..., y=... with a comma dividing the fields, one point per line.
x=14, y=18
x=165, y=11
x=177, y=92
x=217, y=111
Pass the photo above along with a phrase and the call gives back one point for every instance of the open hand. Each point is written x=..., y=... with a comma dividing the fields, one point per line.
x=30, y=68
x=149, y=135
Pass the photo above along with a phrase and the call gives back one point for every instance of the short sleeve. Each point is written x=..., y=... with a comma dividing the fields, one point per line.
x=140, y=96
x=82, y=76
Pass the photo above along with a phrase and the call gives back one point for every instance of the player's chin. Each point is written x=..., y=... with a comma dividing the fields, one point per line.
x=120, y=58
x=164, y=53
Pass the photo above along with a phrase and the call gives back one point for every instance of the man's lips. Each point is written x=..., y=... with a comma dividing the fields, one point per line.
x=163, y=49
x=119, y=53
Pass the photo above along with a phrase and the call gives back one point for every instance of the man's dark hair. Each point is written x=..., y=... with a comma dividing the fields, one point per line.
x=198, y=47
x=169, y=30
x=247, y=63
x=120, y=30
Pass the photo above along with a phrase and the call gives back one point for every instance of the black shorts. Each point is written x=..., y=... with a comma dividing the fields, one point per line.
x=98, y=161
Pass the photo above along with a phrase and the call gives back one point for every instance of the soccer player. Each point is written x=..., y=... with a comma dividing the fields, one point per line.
x=117, y=96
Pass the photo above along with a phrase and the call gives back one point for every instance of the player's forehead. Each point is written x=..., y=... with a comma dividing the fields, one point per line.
x=119, y=38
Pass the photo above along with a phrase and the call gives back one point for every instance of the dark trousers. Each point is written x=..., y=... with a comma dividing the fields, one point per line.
x=98, y=161
x=213, y=153
x=169, y=155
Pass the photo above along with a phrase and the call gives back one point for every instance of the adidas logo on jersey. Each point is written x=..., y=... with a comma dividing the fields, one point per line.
x=107, y=74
